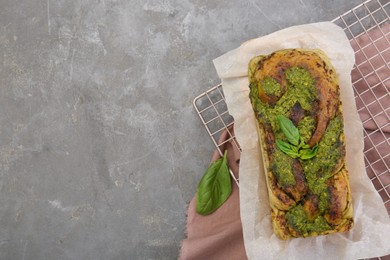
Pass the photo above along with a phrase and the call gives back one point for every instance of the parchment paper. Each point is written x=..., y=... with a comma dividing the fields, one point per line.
x=371, y=233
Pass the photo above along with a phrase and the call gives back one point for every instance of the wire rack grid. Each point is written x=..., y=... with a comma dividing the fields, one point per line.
x=371, y=85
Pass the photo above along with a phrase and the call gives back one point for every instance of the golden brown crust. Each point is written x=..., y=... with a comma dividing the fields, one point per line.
x=284, y=201
x=311, y=206
x=338, y=191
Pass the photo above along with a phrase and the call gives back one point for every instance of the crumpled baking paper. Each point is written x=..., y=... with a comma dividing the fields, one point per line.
x=370, y=235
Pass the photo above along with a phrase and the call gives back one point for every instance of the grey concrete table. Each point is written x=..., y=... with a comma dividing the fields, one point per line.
x=100, y=147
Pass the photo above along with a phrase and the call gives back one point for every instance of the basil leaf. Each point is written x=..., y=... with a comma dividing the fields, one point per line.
x=294, y=148
x=287, y=148
x=297, y=146
x=302, y=143
x=214, y=188
x=306, y=154
x=289, y=129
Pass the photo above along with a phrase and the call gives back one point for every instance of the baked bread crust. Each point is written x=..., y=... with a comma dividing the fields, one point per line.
x=317, y=199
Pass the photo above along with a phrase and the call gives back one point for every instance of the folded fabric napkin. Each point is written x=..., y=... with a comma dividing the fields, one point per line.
x=219, y=235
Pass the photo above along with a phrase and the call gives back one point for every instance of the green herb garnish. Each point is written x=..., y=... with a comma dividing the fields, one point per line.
x=296, y=148
x=214, y=188
x=289, y=129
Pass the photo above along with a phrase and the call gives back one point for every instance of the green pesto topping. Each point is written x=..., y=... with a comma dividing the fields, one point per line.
x=271, y=87
x=299, y=77
x=306, y=127
x=282, y=168
x=324, y=200
x=329, y=152
x=319, y=169
x=302, y=91
x=297, y=219
x=302, y=86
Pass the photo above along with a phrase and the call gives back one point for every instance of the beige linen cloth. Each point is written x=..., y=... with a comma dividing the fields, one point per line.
x=219, y=235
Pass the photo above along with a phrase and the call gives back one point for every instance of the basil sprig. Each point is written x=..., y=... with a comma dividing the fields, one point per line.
x=289, y=129
x=296, y=148
x=214, y=188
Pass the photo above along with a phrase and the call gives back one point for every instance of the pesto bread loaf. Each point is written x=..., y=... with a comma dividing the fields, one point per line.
x=296, y=99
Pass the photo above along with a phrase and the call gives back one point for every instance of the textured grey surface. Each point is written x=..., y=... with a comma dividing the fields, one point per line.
x=100, y=147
